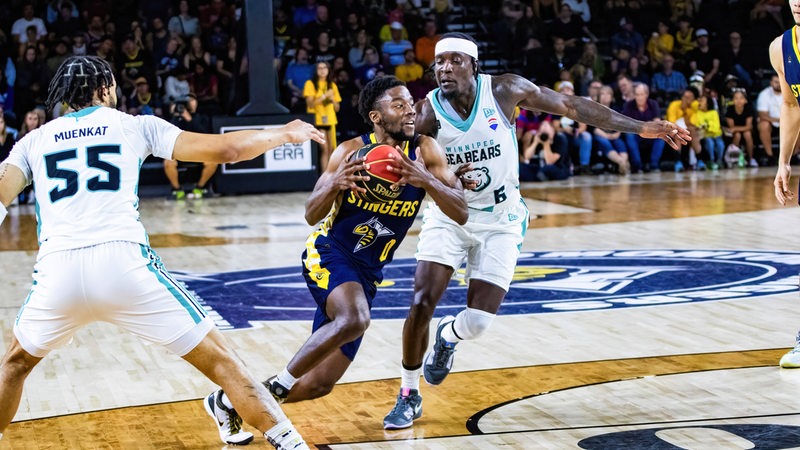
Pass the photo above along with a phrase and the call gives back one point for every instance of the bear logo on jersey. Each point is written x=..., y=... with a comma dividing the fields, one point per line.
x=370, y=231
x=480, y=176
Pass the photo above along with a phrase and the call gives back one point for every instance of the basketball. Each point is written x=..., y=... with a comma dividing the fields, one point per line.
x=380, y=179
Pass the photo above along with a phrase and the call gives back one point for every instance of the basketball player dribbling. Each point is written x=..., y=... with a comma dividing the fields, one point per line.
x=470, y=115
x=344, y=257
x=94, y=261
x=786, y=62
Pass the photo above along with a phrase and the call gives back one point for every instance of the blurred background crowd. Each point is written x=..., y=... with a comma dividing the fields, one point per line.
x=703, y=64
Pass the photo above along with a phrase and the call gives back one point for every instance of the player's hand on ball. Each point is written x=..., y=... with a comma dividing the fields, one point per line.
x=347, y=176
x=411, y=172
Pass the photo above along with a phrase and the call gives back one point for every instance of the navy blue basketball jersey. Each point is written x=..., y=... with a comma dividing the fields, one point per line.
x=791, y=62
x=368, y=232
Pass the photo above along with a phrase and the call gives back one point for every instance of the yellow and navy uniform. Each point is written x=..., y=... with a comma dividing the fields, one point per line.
x=355, y=240
x=791, y=62
x=791, y=66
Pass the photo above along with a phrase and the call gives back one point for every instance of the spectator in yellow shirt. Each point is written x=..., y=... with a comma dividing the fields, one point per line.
x=322, y=100
x=410, y=70
x=660, y=44
x=682, y=112
x=684, y=108
x=710, y=131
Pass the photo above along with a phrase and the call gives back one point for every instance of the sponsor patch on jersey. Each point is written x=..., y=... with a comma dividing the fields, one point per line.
x=543, y=282
x=492, y=123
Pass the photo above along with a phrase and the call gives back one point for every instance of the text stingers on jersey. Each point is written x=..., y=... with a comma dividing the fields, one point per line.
x=397, y=208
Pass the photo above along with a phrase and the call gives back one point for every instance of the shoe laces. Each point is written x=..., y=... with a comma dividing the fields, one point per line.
x=442, y=353
x=796, y=348
x=403, y=403
x=231, y=417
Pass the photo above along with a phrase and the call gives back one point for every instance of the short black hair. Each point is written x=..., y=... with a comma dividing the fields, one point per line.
x=374, y=90
x=77, y=80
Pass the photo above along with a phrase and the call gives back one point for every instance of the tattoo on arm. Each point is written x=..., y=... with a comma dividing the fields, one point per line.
x=593, y=113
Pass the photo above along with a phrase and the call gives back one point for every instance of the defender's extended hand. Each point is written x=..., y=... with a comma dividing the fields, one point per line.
x=465, y=182
x=672, y=134
x=300, y=131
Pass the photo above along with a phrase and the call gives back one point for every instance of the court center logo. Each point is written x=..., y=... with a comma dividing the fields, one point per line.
x=544, y=282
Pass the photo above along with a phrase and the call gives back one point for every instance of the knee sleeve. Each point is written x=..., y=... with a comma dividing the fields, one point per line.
x=472, y=323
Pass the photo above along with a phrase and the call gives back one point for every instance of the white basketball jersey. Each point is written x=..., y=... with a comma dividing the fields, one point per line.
x=487, y=140
x=85, y=169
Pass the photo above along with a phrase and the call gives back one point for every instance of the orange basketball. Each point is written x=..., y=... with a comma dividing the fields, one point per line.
x=380, y=179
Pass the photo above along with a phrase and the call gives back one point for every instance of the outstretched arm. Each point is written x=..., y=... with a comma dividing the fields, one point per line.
x=789, y=126
x=529, y=96
x=241, y=145
x=12, y=182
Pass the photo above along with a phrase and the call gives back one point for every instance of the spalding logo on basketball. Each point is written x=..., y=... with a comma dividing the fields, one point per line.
x=378, y=186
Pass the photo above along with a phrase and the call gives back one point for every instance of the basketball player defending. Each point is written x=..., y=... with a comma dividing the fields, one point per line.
x=344, y=257
x=784, y=58
x=470, y=115
x=94, y=261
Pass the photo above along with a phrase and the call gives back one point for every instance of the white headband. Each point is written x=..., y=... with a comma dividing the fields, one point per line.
x=457, y=45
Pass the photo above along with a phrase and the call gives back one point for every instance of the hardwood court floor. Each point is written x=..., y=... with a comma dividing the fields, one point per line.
x=535, y=381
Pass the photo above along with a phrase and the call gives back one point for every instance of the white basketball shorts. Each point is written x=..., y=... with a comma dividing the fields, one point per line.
x=123, y=283
x=489, y=242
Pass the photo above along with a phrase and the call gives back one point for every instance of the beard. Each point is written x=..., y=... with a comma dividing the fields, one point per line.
x=399, y=135
x=449, y=95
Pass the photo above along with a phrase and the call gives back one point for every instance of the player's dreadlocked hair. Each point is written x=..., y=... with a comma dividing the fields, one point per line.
x=76, y=81
x=374, y=90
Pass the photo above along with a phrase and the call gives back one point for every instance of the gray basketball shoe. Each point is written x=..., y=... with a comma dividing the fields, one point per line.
x=439, y=360
x=406, y=409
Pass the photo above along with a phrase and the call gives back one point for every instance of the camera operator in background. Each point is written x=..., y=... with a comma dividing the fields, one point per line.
x=183, y=114
x=546, y=157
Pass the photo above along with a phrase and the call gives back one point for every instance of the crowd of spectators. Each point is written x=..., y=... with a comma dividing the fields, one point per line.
x=684, y=60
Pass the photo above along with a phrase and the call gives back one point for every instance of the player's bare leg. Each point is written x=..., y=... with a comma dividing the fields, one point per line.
x=214, y=358
x=430, y=282
x=320, y=380
x=14, y=369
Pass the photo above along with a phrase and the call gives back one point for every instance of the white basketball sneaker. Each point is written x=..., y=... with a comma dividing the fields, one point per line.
x=791, y=360
x=284, y=436
x=227, y=420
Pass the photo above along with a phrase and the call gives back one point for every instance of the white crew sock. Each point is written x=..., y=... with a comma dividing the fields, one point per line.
x=286, y=379
x=409, y=379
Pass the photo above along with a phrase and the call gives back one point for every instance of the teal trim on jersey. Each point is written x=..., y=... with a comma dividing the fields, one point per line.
x=461, y=125
x=27, y=299
x=136, y=187
x=38, y=224
x=487, y=209
x=83, y=112
x=169, y=284
x=524, y=222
